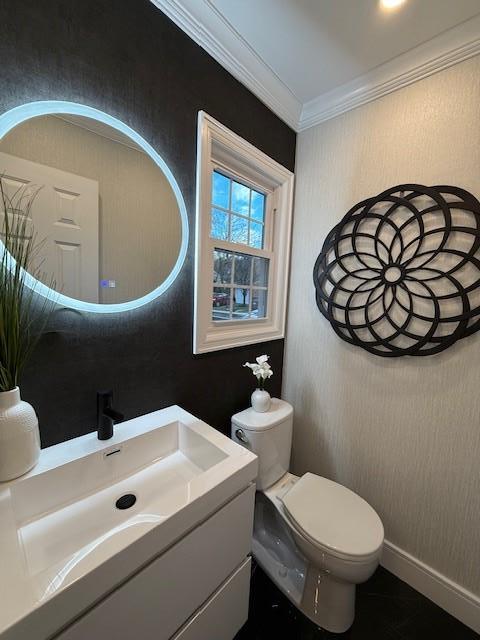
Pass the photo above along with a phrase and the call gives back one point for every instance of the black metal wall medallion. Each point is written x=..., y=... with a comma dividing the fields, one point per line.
x=400, y=274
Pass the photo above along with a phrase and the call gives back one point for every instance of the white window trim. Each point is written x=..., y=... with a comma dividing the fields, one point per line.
x=218, y=146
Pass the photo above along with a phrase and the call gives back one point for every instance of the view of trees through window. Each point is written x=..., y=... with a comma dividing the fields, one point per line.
x=238, y=212
x=240, y=280
x=240, y=286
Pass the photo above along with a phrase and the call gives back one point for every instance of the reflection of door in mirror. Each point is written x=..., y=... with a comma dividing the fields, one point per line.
x=138, y=226
x=65, y=221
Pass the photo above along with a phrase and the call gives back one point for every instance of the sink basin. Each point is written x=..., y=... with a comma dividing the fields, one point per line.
x=69, y=511
x=61, y=523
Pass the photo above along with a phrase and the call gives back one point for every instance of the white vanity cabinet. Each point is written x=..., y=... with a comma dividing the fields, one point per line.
x=174, y=564
x=196, y=590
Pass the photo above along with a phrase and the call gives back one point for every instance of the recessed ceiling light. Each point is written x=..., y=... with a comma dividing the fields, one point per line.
x=391, y=4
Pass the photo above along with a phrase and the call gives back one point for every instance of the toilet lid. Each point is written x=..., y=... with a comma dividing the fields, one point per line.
x=334, y=517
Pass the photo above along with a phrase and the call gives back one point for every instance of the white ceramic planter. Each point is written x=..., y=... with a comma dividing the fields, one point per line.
x=19, y=436
x=261, y=400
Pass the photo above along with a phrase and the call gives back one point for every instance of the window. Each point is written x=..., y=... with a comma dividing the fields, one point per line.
x=244, y=201
x=238, y=212
x=240, y=286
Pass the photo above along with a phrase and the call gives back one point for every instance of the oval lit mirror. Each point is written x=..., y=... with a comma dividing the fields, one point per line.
x=108, y=214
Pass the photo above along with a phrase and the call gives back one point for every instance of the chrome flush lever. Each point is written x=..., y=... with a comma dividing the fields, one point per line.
x=241, y=436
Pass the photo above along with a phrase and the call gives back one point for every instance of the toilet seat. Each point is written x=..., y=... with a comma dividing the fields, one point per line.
x=333, y=518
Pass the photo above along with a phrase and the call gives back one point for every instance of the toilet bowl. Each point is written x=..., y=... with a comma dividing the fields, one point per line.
x=315, y=538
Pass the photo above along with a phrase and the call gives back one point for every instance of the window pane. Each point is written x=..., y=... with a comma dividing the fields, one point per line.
x=239, y=230
x=256, y=235
x=222, y=267
x=240, y=198
x=243, y=269
x=219, y=224
x=221, y=303
x=260, y=272
x=220, y=190
x=257, y=210
x=259, y=303
x=241, y=301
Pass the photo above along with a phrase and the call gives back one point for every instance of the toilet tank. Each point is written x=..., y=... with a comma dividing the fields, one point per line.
x=269, y=436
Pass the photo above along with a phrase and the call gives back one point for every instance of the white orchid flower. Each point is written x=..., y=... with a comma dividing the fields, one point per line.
x=260, y=369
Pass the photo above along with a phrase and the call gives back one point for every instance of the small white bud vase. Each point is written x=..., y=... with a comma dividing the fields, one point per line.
x=19, y=436
x=261, y=400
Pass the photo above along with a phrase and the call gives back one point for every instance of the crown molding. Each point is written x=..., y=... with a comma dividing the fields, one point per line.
x=200, y=20
x=442, y=51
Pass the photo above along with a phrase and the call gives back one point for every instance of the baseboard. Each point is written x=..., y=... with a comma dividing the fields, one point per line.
x=459, y=602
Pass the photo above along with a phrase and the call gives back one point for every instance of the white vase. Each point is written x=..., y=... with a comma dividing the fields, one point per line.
x=261, y=400
x=19, y=436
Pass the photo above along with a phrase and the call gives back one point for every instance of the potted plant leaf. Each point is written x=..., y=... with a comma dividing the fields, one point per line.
x=23, y=316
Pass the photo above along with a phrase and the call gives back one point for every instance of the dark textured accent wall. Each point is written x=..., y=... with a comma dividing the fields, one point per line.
x=126, y=58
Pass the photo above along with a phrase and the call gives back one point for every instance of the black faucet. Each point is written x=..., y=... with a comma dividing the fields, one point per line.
x=106, y=415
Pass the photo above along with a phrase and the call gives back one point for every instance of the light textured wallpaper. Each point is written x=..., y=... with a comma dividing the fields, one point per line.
x=403, y=433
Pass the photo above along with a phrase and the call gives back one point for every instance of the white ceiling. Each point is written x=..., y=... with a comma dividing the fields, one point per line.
x=309, y=60
x=314, y=46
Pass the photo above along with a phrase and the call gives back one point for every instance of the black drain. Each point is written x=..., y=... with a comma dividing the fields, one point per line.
x=126, y=501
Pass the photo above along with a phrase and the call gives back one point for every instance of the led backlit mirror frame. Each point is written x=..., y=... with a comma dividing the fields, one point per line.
x=17, y=115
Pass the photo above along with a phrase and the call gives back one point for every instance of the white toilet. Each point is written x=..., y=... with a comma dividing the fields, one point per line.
x=315, y=538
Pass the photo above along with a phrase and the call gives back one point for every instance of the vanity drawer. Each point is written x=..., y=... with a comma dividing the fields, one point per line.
x=159, y=599
x=225, y=613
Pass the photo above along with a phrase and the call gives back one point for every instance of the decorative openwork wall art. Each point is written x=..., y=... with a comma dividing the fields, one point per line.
x=400, y=274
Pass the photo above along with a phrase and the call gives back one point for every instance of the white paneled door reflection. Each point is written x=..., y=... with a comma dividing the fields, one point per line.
x=65, y=218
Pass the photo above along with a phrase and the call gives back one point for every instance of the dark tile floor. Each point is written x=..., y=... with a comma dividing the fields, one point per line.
x=387, y=609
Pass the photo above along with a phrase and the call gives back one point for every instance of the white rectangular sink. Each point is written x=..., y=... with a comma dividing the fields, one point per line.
x=69, y=511
x=60, y=528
